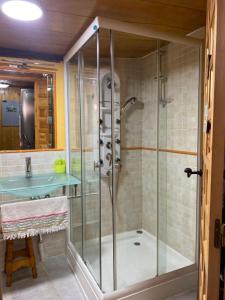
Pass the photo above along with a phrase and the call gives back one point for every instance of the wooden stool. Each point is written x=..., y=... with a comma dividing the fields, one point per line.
x=16, y=259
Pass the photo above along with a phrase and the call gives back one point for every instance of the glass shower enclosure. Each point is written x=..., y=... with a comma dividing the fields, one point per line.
x=133, y=111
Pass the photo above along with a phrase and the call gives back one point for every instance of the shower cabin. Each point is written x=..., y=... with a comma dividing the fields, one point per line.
x=133, y=128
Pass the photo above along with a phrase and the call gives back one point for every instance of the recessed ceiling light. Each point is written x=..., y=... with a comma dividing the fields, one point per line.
x=3, y=85
x=22, y=10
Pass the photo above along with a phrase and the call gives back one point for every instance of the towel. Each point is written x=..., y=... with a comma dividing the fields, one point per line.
x=33, y=217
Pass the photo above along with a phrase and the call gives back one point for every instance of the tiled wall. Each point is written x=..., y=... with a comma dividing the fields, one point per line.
x=178, y=127
x=13, y=164
x=129, y=196
x=178, y=122
x=149, y=140
x=181, y=67
x=182, y=72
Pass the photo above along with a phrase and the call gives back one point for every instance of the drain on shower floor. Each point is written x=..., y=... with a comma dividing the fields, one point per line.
x=139, y=231
x=137, y=244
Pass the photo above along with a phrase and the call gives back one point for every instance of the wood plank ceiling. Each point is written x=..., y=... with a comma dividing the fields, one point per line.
x=64, y=21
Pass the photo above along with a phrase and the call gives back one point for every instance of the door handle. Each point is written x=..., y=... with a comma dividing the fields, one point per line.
x=189, y=172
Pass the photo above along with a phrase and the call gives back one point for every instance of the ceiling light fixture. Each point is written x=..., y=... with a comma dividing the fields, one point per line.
x=21, y=10
x=3, y=85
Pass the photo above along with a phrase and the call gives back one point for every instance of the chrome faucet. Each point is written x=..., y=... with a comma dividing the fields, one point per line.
x=28, y=167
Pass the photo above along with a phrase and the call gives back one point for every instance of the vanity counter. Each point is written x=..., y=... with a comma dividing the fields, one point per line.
x=36, y=186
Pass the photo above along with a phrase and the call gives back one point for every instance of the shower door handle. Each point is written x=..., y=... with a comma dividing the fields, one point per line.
x=190, y=172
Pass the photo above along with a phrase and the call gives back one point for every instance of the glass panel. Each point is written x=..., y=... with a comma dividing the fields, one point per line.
x=108, y=247
x=75, y=152
x=178, y=133
x=90, y=156
x=136, y=173
x=134, y=129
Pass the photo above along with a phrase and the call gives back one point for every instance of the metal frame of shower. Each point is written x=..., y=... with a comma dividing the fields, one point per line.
x=114, y=25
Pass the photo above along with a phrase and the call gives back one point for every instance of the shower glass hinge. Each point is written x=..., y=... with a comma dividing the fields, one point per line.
x=219, y=234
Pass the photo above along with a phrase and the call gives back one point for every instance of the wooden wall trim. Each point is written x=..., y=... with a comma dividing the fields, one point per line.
x=31, y=150
x=133, y=148
x=148, y=148
x=179, y=152
x=175, y=151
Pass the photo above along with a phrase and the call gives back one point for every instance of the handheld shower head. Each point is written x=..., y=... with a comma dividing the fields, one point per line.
x=128, y=103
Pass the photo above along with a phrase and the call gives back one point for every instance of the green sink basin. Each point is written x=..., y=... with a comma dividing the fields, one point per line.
x=37, y=185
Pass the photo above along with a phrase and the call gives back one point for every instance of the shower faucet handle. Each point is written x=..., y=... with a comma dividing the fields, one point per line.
x=97, y=164
x=189, y=172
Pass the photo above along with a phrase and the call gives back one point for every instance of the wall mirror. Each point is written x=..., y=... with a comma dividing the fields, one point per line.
x=27, y=110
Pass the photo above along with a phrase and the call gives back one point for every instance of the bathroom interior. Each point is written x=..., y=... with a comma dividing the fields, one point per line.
x=114, y=129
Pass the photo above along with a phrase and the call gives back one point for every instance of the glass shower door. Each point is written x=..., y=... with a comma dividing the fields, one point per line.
x=90, y=157
x=135, y=196
x=75, y=151
x=177, y=150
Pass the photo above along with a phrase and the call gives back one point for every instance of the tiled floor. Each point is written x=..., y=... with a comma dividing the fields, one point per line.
x=55, y=282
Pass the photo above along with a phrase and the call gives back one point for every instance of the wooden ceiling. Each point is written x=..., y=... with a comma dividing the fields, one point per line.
x=20, y=79
x=64, y=21
x=18, y=84
x=126, y=45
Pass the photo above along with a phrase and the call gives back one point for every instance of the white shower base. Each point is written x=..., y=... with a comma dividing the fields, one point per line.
x=134, y=263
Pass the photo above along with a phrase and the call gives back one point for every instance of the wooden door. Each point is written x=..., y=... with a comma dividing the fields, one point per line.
x=41, y=114
x=213, y=151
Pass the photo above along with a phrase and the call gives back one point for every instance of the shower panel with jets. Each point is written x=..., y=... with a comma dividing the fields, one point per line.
x=133, y=110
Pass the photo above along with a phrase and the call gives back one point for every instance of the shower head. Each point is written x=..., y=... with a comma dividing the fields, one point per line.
x=128, y=103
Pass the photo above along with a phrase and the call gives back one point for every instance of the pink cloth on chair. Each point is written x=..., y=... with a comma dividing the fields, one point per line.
x=33, y=217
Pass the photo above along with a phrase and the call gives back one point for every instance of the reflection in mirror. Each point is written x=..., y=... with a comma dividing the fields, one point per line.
x=26, y=110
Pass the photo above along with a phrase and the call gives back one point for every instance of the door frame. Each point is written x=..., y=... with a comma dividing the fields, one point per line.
x=213, y=151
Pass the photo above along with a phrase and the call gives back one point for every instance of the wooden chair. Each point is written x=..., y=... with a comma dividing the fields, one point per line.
x=16, y=259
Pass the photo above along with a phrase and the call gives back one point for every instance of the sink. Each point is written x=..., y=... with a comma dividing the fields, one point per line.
x=22, y=182
x=37, y=185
